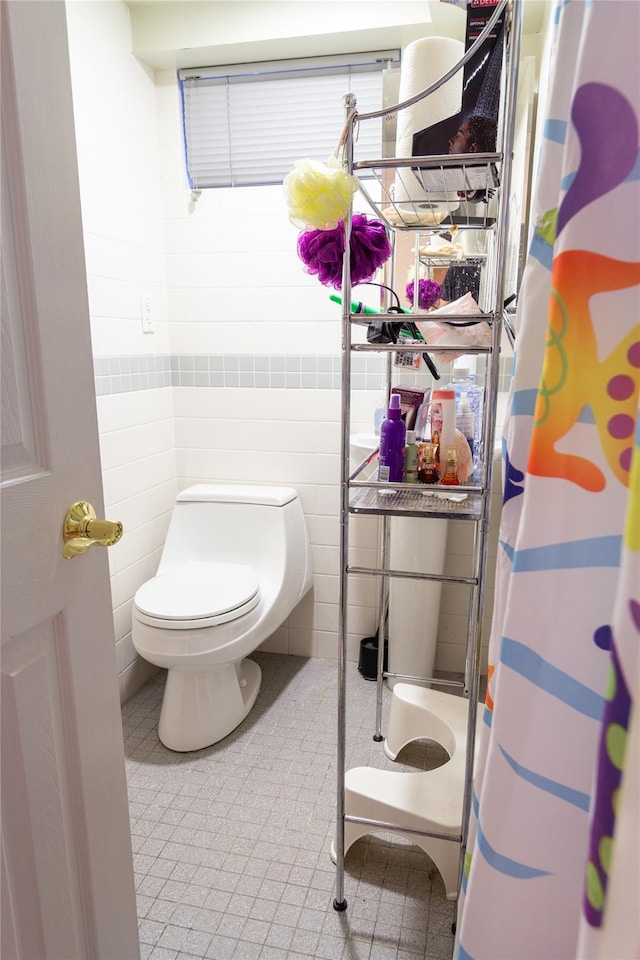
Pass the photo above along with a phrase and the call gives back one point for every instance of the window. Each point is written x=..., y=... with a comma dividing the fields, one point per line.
x=249, y=124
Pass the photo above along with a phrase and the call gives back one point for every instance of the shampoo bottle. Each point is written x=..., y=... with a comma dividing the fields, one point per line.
x=443, y=424
x=392, y=438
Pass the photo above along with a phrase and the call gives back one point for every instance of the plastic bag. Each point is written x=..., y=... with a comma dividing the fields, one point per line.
x=459, y=337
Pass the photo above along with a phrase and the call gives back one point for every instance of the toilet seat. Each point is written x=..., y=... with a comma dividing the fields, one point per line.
x=196, y=595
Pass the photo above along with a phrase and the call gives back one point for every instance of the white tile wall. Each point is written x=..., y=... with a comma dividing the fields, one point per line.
x=121, y=195
x=137, y=447
x=452, y=630
x=224, y=278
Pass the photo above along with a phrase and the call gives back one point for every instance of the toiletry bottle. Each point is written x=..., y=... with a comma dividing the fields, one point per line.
x=443, y=424
x=435, y=424
x=465, y=420
x=421, y=423
x=392, y=437
x=463, y=381
x=378, y=417
x=427, y=466
x=450, y=478
x=411, y=458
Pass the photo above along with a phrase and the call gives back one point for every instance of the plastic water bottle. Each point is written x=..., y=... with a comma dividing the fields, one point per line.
x=463, y=382
x=465, y=421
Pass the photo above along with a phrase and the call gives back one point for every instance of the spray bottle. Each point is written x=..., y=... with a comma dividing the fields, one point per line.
x=392, y=438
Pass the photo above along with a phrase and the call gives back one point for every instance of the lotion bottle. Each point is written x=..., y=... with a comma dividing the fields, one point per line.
x=411, y=458
x=392, y=439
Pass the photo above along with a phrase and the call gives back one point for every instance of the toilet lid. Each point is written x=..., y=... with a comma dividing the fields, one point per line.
x=209, y=593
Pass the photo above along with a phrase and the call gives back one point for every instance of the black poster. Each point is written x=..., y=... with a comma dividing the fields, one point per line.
x=473, y=129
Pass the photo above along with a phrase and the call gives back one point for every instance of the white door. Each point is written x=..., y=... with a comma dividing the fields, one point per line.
x=66, y=867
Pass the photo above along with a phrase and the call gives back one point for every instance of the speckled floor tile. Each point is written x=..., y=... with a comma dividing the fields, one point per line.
x=231, y=843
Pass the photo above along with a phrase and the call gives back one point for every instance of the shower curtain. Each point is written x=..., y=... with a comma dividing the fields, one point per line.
x=551, y=869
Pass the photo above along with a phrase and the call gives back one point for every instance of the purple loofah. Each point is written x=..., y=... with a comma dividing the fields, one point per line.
x=322, y=251
x=370, y=248
x=428, y=292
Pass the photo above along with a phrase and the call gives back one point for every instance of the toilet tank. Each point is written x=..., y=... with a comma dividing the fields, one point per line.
x=241, y=523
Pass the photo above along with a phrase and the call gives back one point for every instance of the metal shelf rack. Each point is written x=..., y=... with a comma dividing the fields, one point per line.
x=440, y=175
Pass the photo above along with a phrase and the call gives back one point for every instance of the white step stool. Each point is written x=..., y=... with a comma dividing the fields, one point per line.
x=428, y=800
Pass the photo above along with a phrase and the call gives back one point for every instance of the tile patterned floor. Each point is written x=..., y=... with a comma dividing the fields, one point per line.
x=231, y=843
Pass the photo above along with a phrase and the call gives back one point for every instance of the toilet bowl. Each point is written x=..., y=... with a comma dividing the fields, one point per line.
x=235, y=563
x=361, y=445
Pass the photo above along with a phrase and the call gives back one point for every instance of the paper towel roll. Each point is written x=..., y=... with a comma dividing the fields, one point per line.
x=474, y=242
x=424, y=62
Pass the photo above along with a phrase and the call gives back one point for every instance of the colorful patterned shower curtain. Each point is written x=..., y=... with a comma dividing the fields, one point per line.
x=554, y=834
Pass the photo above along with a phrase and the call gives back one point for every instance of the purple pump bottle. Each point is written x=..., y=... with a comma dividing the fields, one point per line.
x=392, y=439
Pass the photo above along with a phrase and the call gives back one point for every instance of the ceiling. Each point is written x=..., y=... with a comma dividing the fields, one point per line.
x=167, y=34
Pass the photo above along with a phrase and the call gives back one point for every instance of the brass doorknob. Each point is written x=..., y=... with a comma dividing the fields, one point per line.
x=81, y=529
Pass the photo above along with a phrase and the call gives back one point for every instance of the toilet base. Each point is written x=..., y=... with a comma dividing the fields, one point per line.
x=200, y=708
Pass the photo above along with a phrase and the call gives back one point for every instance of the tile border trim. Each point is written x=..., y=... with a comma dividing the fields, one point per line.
x=127, y=374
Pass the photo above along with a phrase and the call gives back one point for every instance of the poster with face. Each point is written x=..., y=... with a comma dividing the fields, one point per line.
x=474, y=128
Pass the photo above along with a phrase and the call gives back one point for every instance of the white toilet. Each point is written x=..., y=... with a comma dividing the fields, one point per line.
x=235, y=563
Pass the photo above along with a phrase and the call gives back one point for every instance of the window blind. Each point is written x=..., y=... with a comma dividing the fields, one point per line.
x=248, y=125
